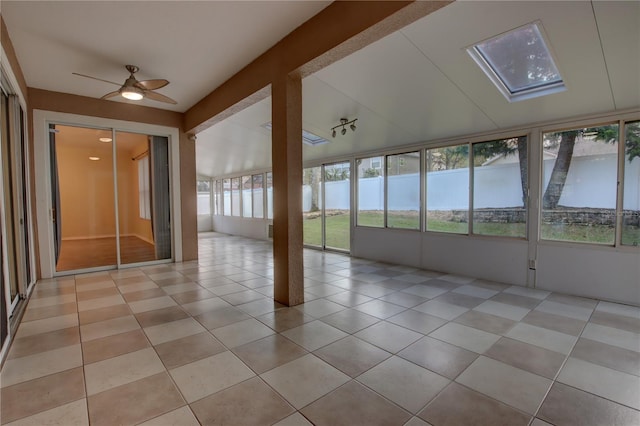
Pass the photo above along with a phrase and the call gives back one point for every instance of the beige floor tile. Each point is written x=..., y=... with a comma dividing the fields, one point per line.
x=517, y=388
x=380, y=309
x=30, y=367
x=486, y=322
x=44, y=342
x=548, y=339
x=71, y=414
x=180, y=417
x=268, y=353
x=260, y=307
x=572, y=311
x=390, y=337
x=43, y=302
x=248, y=403
x=103, y=314
x=284, y=319
x=404, y=383
x=440, y=357
x=188, y=349
x=417, y=321
x=241, y=332
x=33, y=314
x=207, y=305
x=607, y=356
x=457, y=405
x=35, y=396
x=111, y=290
x=616, y=321
x=151, y=293
x=296, y=419
x=135, y=402
x=515, y=313
x=320, y=308
x=209, y=375
x=617, y=386
x=151, y=304
x=46, y=325
x=314, y=335
x=116, y=345
x=527, y=292
x=173, y=330
x=555, y=322
x=139, y=286
x=304, y=380
x=349, y=298
x=354, y=404
x=350, y=320
x=460, y=299
x=567, y=406
x=352, y=356
x=106, y=328
x=101, y=302
x=110, y=373
x=441, y=310
x=612, y=336
x=619, y=309
x=192, y=296
x=161, y=316
x=514, y=299
x=403, y=299
x=465, y=337
x=416, y=421
x=471, y=290
x=533, y=359
x=181, y=288
x=221, y=317
x=425, y=290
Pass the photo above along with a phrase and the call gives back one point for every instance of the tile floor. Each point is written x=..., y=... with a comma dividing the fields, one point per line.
x=375, y=344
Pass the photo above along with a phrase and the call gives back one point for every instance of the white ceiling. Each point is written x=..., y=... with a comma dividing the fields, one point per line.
x=419, y=84
x=414, y=86
x=196, y=45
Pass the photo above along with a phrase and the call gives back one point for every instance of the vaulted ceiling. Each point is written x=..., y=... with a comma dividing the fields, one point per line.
x=413, y=86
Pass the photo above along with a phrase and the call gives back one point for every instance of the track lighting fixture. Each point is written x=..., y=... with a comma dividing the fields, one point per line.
x=344, y=122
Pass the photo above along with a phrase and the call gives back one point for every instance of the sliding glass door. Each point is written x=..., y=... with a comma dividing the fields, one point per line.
x=110, y=192
x=326, y=198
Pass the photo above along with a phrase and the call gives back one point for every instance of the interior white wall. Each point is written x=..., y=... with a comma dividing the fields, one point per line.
x=591, y=271
x=205, y=223
x=244, y=227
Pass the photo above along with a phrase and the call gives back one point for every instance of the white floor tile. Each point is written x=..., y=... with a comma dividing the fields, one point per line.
x=242, y=332
x=97, y=330
x=30, y=328
x=390, y=337
x=314, y=335
x=543, y=337
x=572, y=311
x=612, y=336
x=18, y=370
x=515, y=313
x=527, y=292
x=465, y=337
x=471, y=290
x=173, y=330
x=441, y=309
x=71, y=414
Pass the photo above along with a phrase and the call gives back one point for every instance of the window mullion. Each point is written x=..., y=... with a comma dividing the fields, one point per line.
x=620, y=183
x=470, y=210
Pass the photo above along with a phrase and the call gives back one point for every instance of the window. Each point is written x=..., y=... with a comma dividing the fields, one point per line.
x=269, y=187
x=403, y=190
x=144, y=192
x=235, y=196
x=519, y=63
x=204, y=196
x=370, y=192
x=246, y=196
x=257, y=196
x=448, y=189
x=226, y=200
x=217, y=198
x=580, y=182
x=500, y=187
x=312, y=206
x=631, y=196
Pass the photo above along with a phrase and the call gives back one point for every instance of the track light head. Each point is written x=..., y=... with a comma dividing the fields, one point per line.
x=343, y=131
x=353, y=127
x=333, y=134
x=344, y=122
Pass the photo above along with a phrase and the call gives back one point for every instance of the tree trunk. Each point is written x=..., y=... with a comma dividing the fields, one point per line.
x=560, y=170
x=315, y=188
x=522, y=157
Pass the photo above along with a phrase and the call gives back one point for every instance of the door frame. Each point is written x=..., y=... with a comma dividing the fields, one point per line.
x=41, y=121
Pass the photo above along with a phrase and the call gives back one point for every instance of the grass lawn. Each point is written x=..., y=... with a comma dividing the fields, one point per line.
x=338, y=229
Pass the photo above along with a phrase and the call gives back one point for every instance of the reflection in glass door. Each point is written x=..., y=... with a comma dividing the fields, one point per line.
x=95, y=225
x=83, y=197
x=326, y=210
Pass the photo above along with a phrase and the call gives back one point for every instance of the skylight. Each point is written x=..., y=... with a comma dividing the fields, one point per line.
x=308, y=138
x=519, y=63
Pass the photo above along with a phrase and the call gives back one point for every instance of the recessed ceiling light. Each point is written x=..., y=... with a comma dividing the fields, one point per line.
x=94, y=158
x=105, y=139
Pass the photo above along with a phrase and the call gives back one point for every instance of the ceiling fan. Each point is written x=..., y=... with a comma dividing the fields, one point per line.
x=134, y=89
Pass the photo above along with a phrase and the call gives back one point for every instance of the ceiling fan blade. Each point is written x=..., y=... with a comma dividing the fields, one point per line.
x=96, y=78
x=111, y=95
x=153, y=84
x=158, y=97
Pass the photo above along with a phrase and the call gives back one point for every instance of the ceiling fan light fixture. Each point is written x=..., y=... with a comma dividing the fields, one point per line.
x=131, y=93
